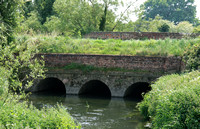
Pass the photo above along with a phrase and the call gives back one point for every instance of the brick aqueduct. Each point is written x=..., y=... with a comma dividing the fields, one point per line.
x=133, y=78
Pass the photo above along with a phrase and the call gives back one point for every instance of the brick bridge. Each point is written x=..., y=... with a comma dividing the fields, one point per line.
x=119, y=76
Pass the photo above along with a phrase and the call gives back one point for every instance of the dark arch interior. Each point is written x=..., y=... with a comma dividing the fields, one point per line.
x=95, y=88
x=51, y=85
x=136, y=90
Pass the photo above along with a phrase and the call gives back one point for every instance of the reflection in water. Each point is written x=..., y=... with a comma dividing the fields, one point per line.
x=95, y=113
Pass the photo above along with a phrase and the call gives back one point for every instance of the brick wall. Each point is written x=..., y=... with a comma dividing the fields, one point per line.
x=162, y=64
x=135, y=35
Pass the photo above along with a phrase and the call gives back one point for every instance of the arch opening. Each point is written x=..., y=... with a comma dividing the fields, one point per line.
x=137, y=90
x=51, y=86
x=95, y=88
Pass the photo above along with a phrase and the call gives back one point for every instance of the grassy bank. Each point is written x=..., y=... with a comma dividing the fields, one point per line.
x=15, y=114
x=174, y=102
x=62, y=44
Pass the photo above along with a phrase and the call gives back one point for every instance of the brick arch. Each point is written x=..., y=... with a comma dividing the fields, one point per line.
x=51, y=85
x=136, y=90
x=95, y=88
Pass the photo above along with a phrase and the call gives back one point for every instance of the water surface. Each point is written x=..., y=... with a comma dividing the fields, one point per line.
x=95, y=113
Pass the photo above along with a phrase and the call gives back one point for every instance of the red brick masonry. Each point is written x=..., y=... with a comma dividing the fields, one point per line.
x=162, y=64
x=137, y=35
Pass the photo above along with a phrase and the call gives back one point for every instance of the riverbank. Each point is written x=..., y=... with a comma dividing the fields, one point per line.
x=174, y=102
x=17, y=71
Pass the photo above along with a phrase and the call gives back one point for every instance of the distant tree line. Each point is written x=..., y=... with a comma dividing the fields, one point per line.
x=79, y=17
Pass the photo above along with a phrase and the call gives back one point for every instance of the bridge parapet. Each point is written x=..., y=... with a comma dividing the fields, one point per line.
x=151, y=64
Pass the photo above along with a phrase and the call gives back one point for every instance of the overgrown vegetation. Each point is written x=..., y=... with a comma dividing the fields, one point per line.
x=20, y=115
x=192, y=57
x=90, y=68
x=174, y=102
x=18, y=69
x=64, y=44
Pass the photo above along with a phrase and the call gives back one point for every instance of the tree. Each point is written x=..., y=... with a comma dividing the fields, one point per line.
x=80, y=17
x=76, y=16
x=28, y=8
x=32, y=23
x=9, y=17
x=152, y=25
x=44, y=8
x=102, y=24
x=184, y=27
x=164, y=28
x=172, y=10
x=106, y=5
x=16, y=58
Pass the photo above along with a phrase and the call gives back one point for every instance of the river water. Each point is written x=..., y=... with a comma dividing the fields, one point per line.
x=96, y=113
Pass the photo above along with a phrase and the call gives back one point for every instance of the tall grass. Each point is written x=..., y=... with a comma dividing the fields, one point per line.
x=62, y=44
x=89, y=68
x=18, y=115
x=174, y=102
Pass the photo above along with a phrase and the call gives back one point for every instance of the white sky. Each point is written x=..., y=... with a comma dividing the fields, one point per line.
x=139, y=2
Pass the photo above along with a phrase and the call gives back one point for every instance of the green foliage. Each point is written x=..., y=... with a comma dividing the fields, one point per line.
x=27, y=8
x=196, y=29
x=90, y=68
x=18, y=68
x=184, y=27
x=172, y=10
x=164, y=28
x=20, y=115
x=61, y=44
x=32, y=23
x=192, y=57
x=70, y=17
x=77, y=16
x=9, y=18
x=153, y=25
x=44, y=8
x=53, y=24
x=173, y=102
x=102, y=24
x=17, y=58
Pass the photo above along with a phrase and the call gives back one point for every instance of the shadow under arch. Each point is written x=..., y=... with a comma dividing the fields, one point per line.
x=51, y=86
x=95, y=88
x=136, y=90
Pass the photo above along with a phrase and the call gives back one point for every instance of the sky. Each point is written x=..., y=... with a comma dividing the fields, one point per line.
x=139, y=2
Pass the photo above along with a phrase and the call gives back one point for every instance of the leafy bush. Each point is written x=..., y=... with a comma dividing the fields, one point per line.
x=16, y=115
x=32, y=23
x=196, y=29
x=174, y=102
x=184, y=27
x=192, y=57
x=164, y=28
x=18, y=68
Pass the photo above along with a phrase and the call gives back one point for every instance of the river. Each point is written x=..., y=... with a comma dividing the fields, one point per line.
x=95, y=113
